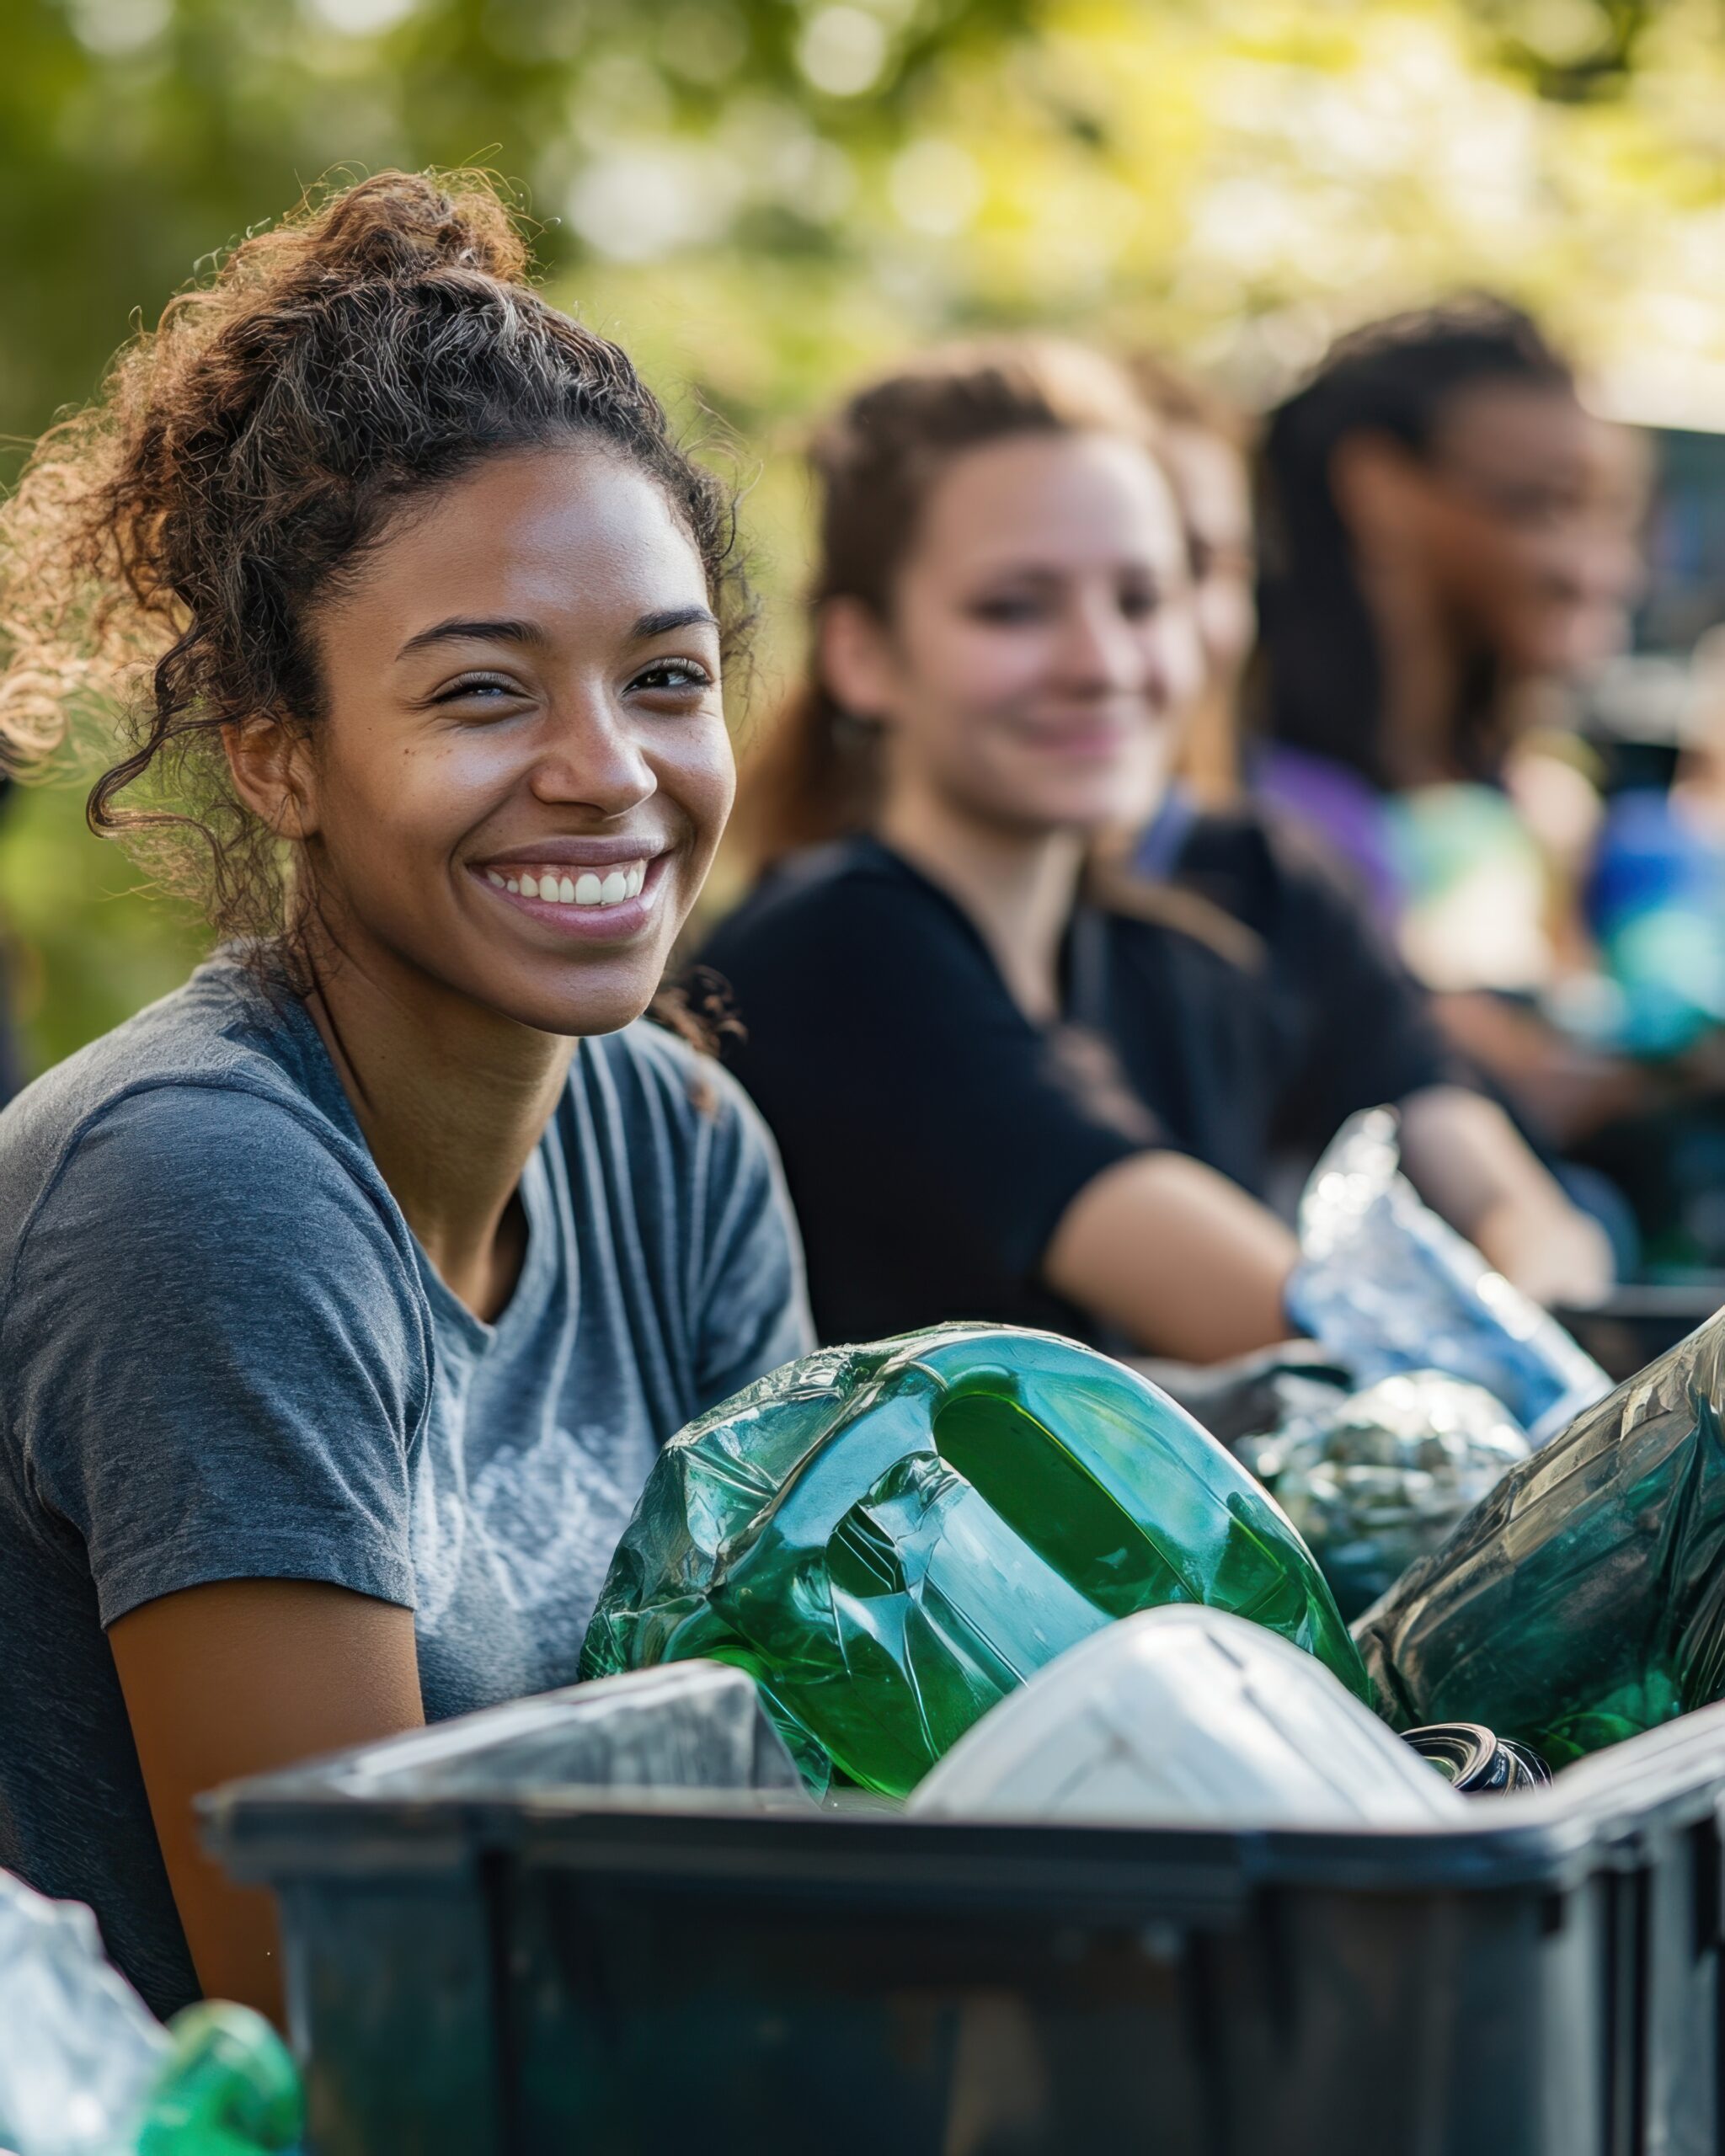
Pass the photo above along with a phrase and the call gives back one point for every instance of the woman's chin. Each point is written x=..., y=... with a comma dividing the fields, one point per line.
x=571, y=1000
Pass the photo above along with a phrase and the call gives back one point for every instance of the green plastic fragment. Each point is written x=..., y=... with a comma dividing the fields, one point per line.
x=891, y=1538
x=1583, y=1600
x=229, y=2088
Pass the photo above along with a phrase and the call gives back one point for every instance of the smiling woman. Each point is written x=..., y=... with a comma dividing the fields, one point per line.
x=347, y=1295
x=1083, y=1081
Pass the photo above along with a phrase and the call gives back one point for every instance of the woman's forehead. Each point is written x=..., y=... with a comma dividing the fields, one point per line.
x=1055, y=496
x=557, y=532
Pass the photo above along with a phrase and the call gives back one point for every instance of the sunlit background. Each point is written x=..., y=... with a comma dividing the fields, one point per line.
x=762, y=198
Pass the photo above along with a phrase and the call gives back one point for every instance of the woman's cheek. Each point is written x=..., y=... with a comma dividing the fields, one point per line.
x=998, y=667
x=701, y=778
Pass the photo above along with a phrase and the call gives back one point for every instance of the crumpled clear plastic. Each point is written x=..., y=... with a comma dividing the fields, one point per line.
x=1385, y=1286
x=891, y=1538
x=79, y=2050
x=86, y=2070
x=1583, y=1600
x=1377, y=1479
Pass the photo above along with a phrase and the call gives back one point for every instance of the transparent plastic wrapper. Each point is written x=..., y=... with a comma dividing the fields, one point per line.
x=1376, y=1480
x=891, y=1538
x=689, y=1726
x=1384, y=1285
x=79, y=2050
x=86, y=2070
x=1585, y=1600
x=1187, y=1717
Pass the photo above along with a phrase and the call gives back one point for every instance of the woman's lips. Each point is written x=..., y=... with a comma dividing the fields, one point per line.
x=592, y=902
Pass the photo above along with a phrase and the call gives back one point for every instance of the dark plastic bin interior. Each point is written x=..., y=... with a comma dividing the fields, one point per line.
x=484, y=1961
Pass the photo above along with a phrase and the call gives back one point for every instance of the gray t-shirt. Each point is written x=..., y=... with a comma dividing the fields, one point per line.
x=223, y=1355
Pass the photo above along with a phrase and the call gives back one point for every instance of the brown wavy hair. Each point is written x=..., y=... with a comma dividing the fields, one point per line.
x=874, y=465
x=162, y=554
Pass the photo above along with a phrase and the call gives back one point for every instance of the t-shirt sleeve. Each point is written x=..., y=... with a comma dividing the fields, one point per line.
x=753, y=1299
x=909, y=1094
x=217, y=1360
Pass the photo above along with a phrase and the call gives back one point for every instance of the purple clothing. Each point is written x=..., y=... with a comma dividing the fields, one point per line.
x=1343, y=809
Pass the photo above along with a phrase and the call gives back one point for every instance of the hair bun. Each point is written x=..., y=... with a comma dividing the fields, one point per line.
x=399, y=226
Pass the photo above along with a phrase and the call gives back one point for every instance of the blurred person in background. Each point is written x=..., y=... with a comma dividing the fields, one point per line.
x=1204, y=446
x=1448, y=539
x=1010, y=1080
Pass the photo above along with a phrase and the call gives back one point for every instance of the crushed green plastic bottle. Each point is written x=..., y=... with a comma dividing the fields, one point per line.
x=229, y=2088
x=1583, y=1601
x=891, y=1538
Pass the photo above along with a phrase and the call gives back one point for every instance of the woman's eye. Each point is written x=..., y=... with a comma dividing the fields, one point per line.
x=479, y=689
x=683, y=674
x=1008, y=609
x=1140, y=603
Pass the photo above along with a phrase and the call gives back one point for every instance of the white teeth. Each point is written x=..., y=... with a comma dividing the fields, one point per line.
x=589, y=887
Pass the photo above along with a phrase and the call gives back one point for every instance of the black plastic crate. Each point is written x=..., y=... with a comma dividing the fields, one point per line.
x=486, y=1962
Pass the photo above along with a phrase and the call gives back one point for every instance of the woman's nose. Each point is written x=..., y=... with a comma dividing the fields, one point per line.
x=589, y=757
x=1102, y=651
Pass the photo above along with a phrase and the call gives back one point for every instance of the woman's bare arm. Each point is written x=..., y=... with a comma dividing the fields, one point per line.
x=1468, y=1161
x=1182, y=1261
x=237, y=1679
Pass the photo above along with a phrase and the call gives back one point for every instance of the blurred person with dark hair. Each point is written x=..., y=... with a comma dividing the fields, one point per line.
x=1011, y=1080
x=1449, y=539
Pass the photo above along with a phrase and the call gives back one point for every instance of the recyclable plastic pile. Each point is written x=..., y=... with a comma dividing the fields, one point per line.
x=1427, y=1377
x=1376, y=1479
x=897, y=1541
x=891, y=1539
x=86, y=2070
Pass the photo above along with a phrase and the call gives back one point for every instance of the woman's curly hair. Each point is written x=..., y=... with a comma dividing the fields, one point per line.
x=160, y=555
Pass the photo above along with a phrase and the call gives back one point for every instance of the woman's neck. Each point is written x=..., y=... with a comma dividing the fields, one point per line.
x=1018, y=887
x=452, y=1099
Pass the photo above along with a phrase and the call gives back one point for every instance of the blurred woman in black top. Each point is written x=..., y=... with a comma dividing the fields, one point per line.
x=1009, y=1080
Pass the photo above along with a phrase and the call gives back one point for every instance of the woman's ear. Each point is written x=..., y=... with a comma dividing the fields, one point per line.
x=271, y=764
x=854, y=659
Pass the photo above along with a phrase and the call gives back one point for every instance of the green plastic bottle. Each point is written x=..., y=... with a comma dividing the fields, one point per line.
x=891, y=1538
x=1583, y=1600
x=229, y=2088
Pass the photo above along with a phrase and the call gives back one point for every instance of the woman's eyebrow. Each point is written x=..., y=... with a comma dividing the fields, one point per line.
x=661, y=624
x=460, y=630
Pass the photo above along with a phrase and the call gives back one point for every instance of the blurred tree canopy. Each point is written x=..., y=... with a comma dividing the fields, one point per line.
x=762, y=197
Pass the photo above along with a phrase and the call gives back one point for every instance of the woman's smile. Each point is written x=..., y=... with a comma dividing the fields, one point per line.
x=600, y=890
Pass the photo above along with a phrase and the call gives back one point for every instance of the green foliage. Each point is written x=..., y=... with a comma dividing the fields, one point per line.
x=763, y=197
